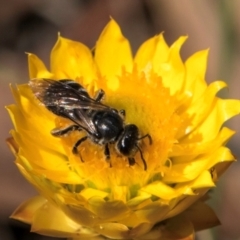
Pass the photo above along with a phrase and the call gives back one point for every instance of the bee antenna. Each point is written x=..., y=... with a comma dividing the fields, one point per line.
x=149, y=138
x=143, y=160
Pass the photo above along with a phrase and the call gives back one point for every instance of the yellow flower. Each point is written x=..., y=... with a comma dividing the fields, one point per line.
x=88, y=197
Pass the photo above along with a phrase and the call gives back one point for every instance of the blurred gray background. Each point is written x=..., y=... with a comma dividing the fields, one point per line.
x=33, y=25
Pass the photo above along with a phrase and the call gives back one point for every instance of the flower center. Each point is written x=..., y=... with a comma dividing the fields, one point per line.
x=149, y=106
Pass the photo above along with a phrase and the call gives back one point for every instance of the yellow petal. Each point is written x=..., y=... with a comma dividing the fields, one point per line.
x=80, y=214
x=152, y=53
x=222, y=110
x=160, y=190
x=43, y=157
x=72, y=60
x=12, y=145
x=181, y=172
x=139, y=201
x=203, y=107
x=59, y=226
x=108, y=210
x=173, y=71
x=25, y=212
x=25, y=172
x=90, y=192
x=153, y=213
x=33, y=110
x=182, y=150
x=58, y=176
x=203, y=181
x=136, y=223
x=112, y=230
x=111, y=58
x=16, y=117
x=195, y=74
x=37, y=68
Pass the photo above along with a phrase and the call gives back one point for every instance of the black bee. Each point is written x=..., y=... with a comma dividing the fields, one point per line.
x=103, y=125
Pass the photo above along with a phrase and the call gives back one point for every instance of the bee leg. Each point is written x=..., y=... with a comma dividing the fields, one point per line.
x=100, y=95
x=74, y=150
x=56, y=132
x=141, y=154
x=107, y=152
x=131, y=161
x=148, y=136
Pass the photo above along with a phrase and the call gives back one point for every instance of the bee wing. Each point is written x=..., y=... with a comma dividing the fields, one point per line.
x=59, y=93
x=83, y=120
x=69, y=95
x=73, y=103
x=39, y=88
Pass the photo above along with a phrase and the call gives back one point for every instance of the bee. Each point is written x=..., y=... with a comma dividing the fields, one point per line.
x=102, y=124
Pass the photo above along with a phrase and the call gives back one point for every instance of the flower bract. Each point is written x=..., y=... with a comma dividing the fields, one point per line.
x=85, y=196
